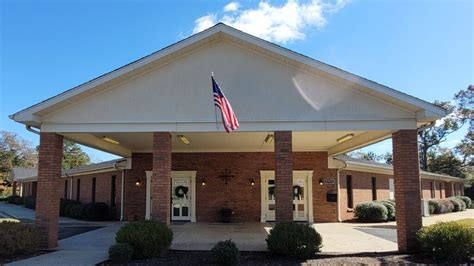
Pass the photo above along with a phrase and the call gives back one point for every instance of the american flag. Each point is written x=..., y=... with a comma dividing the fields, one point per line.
x=229, y=120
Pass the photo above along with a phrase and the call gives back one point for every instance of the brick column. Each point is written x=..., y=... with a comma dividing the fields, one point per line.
x=406, y=171
x=283, y=176
x=161, y=180
x=47, y=196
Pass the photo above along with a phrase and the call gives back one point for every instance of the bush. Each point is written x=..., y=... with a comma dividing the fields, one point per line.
x=98, y=211
x=458, y=204
x=466, y=200
x=15, y=200
x=30, y=202
x=74, y=210
x=371, y=212
x=390, y=209
x=441, y=206
x=120, y=252
x=147, y=238
x=450, y=241
x=18, y=238
x=226, y=253
x=294, y=240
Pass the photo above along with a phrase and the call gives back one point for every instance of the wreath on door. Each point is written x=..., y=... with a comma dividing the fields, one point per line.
x=181, y=191
x=297, y=191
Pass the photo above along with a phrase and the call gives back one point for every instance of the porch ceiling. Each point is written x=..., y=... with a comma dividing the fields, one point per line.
x=222, y=142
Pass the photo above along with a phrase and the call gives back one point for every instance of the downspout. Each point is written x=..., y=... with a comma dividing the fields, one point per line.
x=338, y=187
x=122, y=188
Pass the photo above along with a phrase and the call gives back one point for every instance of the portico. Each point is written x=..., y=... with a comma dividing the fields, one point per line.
x=295, y=115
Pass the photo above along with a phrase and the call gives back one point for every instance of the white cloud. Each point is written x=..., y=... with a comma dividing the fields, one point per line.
x=284, y=23
x=204, y=22
x=231, y=7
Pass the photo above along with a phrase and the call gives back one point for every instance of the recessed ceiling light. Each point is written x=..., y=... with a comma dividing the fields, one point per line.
x=184, y=139
x=345, y=137
x=109, y=140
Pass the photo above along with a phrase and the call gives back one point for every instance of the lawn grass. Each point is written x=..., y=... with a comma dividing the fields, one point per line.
x=467, y=221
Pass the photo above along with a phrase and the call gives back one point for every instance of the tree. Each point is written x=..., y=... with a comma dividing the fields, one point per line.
x=446, y=162
x=15, y=152
x=73, y=155
x=465, y=149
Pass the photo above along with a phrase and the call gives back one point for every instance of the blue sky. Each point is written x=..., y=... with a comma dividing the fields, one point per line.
x=423, y=48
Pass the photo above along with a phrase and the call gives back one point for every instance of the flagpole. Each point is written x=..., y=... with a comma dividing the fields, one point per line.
x=215, y=111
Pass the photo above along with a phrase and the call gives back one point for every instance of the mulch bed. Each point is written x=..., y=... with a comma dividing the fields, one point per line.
x=175, y=257
x=4, y=261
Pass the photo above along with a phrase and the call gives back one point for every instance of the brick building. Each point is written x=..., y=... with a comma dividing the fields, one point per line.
x=296, y=116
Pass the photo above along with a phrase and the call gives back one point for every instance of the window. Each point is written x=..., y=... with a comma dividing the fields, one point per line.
x=350, y=203
x=440, y=190
x=78, y=195
x=113, y=199
x=34, y=189
x=374, y=188
x=93, y=189
x=432, y=190
x=65, y=189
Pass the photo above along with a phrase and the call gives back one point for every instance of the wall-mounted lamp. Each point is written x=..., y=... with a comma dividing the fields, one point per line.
x=184, y=139
x=269, y=138
x=252, y=182
x=345, y=138
x=321, y=182
x=109, y=140
x=137, y=183
x=203, y=182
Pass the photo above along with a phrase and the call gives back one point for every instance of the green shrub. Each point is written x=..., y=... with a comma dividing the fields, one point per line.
x=226, y=253
x=98, y=211
x=371, y=212
x=120, y=252
x=432, y=206
x=74, y=210
x=450, y=241
x=18, y=238
x=15, y=200
x=441, y=206
x=458, y=204
x=30, y=202
x=390, y=209
x=294, y=240
x=466, y=200
x=147, y=238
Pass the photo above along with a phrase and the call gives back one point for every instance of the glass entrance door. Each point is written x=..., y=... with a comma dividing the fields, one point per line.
x=300, y=206
x=181, y=199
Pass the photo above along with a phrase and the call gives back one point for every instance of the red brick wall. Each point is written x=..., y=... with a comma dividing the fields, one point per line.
x=238, y=194
x=361, y=190
x=283, y=176
x=103, y=188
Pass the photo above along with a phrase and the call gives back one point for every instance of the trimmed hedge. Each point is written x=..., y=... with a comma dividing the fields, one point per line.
x=466, y=200
x=390, y=205
x=120, y=253
x=147, y=238
x=97, y=211
x=226, y=253
x=15, y=200
x=458, y=204
x=294, y=240
x=450, y=241
x=18, y=239
x=371, y=212
x=30, y=202
x=440, y=206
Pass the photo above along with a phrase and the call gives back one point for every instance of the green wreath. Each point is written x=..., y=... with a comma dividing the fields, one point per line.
x=271, y=191
x=297, y=191
x=181, y=191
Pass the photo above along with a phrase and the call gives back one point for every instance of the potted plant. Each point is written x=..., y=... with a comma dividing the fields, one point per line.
x=225, y=215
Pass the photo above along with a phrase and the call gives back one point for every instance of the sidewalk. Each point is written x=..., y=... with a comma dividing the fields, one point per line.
x=85, y=249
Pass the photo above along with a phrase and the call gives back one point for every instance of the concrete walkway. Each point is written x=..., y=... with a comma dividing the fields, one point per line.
x=85, y=249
